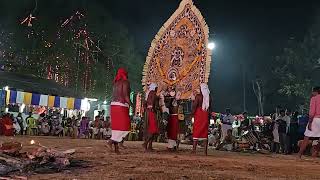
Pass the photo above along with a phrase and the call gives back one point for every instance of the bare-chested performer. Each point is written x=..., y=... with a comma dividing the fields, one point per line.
x=120, y=121
x=200, y=108
x=152, y=124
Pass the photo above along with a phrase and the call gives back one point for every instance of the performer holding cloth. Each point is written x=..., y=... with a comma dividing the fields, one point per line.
x=200, y=108
x=151, y=121
x=119, y=112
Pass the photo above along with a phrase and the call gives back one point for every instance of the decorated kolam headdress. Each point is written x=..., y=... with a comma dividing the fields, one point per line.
x=179, y=54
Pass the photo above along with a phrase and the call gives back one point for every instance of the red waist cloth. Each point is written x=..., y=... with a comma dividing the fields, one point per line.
x=173, y=127
x=152, y=122
x=201, y=124
x=120, y=119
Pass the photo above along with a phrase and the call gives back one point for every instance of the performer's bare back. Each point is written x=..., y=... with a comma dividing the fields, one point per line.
x=121, y=91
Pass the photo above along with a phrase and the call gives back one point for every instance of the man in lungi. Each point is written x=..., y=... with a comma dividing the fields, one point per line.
x=151, y=120
x=119, y=113
x=313, y=127
x=200, y=108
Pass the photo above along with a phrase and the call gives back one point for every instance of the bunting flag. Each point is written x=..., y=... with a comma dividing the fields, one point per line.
x=63, y=102
x=43, y=100
x=51, y=101
x=27, y=98
x=77, y=104
x=2, y=97
x=20, y=97
x=7, y=97
x=35, y=100
x=84, y=105
x=70, y=103
x=13, y=97
x=56, y=101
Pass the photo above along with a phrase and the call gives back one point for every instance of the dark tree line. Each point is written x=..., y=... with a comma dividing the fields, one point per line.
x=48, y=46
x=288, y=78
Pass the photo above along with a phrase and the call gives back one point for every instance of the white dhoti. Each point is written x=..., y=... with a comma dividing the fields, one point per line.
x=120, y=121
x=95, y=131
x=275, y=134
x=17, y=127
x=172, y=143
x=118, y=136
x=315, y=129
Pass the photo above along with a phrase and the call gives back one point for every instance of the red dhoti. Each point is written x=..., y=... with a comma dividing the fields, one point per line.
x=201, y=124
x=152, y=122
x=120, y=121
x=173, y=127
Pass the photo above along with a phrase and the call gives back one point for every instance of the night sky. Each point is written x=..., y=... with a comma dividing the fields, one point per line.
x=244, y=32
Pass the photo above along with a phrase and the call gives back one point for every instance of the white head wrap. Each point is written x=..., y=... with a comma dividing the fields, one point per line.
x=152, y=87
x=205, y=93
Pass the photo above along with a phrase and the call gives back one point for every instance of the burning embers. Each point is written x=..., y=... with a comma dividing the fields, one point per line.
x=37, y=159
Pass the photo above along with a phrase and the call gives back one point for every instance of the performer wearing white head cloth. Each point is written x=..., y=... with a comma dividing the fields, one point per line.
x=206, y=96
x=200, y=108
x=151, y=87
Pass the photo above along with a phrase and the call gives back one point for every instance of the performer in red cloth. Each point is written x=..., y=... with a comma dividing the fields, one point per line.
x=200, y=108
x=173, y=122
x=173, y=130
x=119, y=113
x=152, y=123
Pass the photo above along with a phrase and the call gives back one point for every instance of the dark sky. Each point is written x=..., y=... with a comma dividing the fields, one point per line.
x=244, y=32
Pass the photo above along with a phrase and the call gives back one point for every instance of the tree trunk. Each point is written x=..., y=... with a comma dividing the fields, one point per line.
x=257, y=89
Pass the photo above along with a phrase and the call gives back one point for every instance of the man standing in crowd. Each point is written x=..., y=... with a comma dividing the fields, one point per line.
x=282, y=129
x=32, y=125
x=21, y=121
x=151, y=121
x=313, y=128
x=200, y=110
x=246, y=123
x=293, y=133
x=287, y=119
x=119, y=112
x=226, y=124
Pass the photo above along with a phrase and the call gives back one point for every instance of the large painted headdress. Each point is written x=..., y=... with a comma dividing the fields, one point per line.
x=179, y=54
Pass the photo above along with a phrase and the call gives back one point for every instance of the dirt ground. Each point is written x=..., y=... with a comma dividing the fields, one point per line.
x=134, y=163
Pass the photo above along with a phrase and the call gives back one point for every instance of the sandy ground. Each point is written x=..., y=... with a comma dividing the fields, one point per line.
x=134, y=163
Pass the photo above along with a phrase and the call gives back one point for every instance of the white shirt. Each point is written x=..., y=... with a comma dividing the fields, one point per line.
x=228, y=119
x=288, y=120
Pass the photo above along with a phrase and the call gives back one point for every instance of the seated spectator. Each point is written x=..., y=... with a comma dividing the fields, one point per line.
x=22, y=123
x=96, y=127
x=228, y=143
x=68, y=127
x=57, y=128
x=84, y=127
x=44, y=127
x=16, y=125
x=75, y=127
